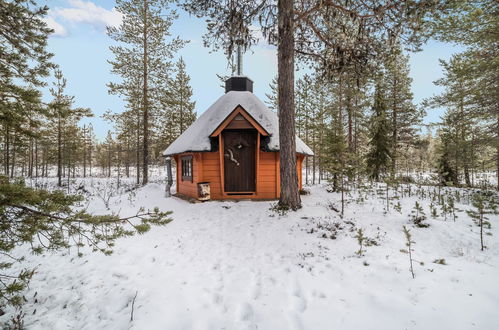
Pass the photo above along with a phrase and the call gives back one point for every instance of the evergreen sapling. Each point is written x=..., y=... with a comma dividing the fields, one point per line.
x=360, y=239
x=418, y=216
x=409, y=250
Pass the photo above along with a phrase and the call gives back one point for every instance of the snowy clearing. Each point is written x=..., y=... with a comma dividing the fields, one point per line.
x=240, y=265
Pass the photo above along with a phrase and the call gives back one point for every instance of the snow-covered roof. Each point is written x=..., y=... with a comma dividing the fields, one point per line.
x=197, y=137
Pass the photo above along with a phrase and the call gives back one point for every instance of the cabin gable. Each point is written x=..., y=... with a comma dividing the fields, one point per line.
x=239, y=117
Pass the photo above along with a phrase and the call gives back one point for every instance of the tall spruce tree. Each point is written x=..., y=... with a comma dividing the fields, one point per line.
x=378, y=156
x=177, y=110
x=181, y=93
x=445, y=152
x=336, y=148
x=402, y=113
x=143, y=59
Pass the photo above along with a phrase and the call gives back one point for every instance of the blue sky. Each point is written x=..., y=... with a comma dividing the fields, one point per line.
x=81, y=49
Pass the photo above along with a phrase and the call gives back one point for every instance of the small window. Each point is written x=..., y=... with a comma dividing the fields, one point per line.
x=186, y=163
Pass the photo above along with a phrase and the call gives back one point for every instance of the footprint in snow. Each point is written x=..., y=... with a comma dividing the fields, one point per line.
x=217, y=299
x=245, y=317
x=297, y=301
x=294, y=322
x=244, y=312
x=256, y=286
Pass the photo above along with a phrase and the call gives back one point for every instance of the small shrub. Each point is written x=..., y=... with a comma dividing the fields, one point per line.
x=405, y=179
x=279, y=209
x=360, y=239
x=304, y=191
x=418, y=216
x=440, y=261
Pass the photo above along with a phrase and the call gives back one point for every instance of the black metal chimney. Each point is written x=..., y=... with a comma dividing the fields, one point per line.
x=239, y=82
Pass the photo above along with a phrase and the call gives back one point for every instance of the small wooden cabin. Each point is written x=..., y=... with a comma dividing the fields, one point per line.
x=233, y=146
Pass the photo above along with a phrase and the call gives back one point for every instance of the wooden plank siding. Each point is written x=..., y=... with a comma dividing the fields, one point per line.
x=207, y=168
x=187, y=187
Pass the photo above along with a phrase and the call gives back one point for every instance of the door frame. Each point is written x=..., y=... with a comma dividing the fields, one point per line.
x=221, y=144
x=217, y=133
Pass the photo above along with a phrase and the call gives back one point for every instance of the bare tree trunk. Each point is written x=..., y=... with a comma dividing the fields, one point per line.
x=467, y=179
x=127, y=164
x=36, y=158
x=497, y=150
x=84, y=151
x=356, y=140
x=44, y=161
x=181, y=112
x=59, y=152
x=109, y=161
x=350, y=121
x=31, y=157
x=90, y=158
x=14, y=151
x=137, y=152
x=395, y=132
x=145, y=152
x=169, y=177
x=290, y=197
x=7, y=151
x=68, y=166
x=118, y=169
x=313, y=161
x=307, y=142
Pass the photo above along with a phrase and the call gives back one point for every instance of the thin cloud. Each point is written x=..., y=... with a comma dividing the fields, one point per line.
x=59, y=30
x=87, y=12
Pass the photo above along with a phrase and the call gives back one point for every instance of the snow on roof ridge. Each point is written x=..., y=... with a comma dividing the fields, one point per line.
x=197, y=137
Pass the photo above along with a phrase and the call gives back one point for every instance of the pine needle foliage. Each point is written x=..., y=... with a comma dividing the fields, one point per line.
x=51, y=221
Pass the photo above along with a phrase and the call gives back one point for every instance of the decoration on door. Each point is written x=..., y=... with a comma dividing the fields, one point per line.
x=231, y=157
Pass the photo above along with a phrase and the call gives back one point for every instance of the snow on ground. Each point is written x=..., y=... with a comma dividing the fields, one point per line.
x=239, y=265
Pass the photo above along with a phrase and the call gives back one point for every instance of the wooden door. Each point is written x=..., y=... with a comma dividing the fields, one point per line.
x=240, y=160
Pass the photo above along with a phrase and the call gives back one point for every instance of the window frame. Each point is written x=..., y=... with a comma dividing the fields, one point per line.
x=186, y=168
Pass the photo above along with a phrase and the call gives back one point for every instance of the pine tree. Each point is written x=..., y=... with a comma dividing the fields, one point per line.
x=304, y=118
x=143, y=60
x=460, y=116
x=182, y=94
x=378, y=156
x=272, y=97
x=473, y=24
x=336, y=148
x=63, y=115
x=484, y=205
x=448, y=175
x=177, y=112
x=401, y=112
x=24, y=62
